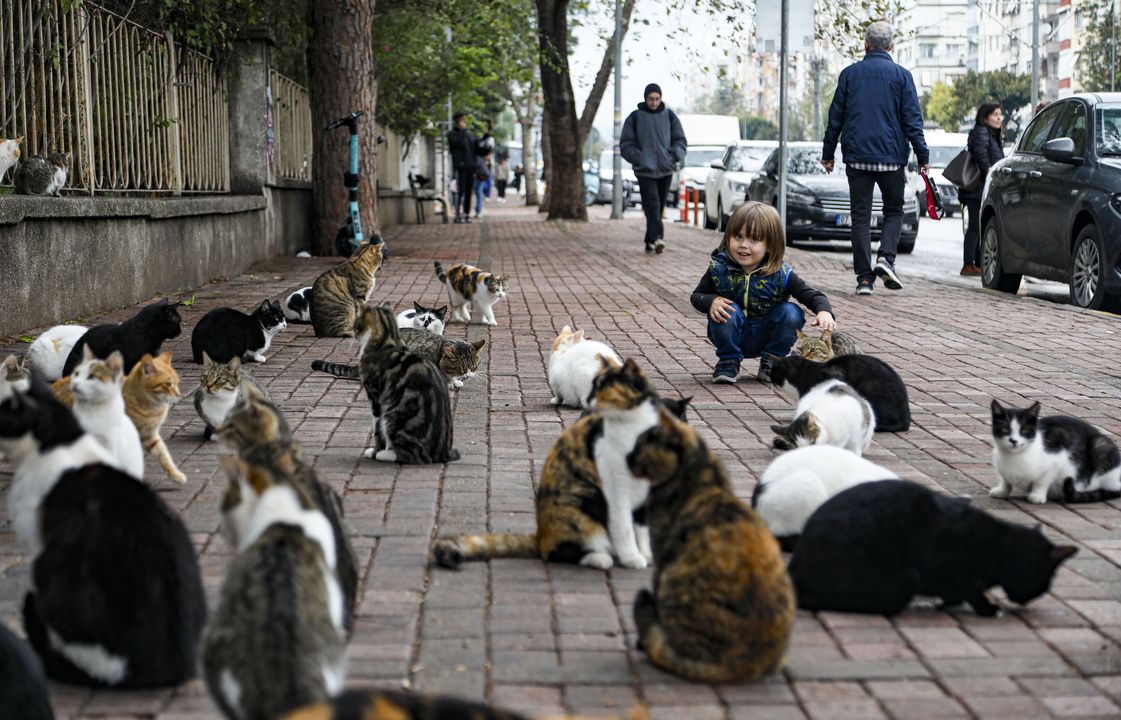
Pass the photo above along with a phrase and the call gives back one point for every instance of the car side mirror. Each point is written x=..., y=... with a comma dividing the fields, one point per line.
x=1061, y=150
x=716, y=164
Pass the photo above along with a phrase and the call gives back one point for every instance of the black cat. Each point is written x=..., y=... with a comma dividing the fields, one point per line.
x=142, y=333
x=226, y=333
x=23, y=688
x=875, y=380
x=873, y=547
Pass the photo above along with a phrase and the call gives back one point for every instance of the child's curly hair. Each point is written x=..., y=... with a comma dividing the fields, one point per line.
x=756, y=220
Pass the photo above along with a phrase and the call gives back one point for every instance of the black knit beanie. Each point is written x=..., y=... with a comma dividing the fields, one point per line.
x=652, y=87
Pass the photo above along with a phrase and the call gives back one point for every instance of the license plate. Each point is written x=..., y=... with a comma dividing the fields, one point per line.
x=844, y=221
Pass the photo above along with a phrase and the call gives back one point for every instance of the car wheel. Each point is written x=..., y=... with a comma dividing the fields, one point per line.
x=906, y=248
x=721, y=218
x=1087, y=270
x=711, y=224
x=992, y=274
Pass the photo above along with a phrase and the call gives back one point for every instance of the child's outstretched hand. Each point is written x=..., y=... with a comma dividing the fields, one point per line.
x=824, y=320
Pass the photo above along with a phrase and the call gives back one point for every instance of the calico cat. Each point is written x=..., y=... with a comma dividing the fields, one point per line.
x=573, y=365
x=572, y=507
x=871, y=377
x=276, y=640
x=99, y=406
x=38, y=175
x=48, y=353
x=796, y=483
x=258, y=431
x=116, y=597
x=722, y=607
x=297, y=306
x=23, y=687
x=423, y=318
x=338, y=295
x=408, y=395
x=141, y=334
x=457, y=359
x=9, y=155
x=468, y=284
x=831, y=413
x=217, y=393
x=875, y=546
x=15, y=376
x=830, y=344
x=1036, y=456
x=226, y=333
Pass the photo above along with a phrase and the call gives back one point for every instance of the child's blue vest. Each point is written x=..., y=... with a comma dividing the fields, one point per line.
x=755, y=293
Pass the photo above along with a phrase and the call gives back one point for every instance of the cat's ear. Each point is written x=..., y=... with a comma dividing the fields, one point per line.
x=87, y=353
x=449, y=352
x=441, y=311
x=779, y=430
x=1059, y=553
x=605, y=363
x=165, y=356
x=147, y=367
x=263, y=307
x=827, y=336
x=997, y=408
x=578, y=336
x=1033, y=411
x=206, y=361
x=566, y=330
x=418, y=307
x=478, y=344
x=631, y=367
x=116, y=363
x=275, y=305
x=19, y=141
x=234, y=364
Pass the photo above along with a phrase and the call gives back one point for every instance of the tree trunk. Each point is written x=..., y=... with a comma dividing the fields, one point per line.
x=566, y=179
x=529, y=158
x=546, y=163
x=341, y=80
x=606, y=70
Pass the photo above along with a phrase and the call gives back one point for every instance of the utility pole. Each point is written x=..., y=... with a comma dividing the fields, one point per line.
x=616, y=158
x=1112, y=44
x=1034, y=54
x=449, y=170
x=782, y=112
x=815, y=66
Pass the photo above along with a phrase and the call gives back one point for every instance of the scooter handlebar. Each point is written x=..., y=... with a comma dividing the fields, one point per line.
x=350, y=120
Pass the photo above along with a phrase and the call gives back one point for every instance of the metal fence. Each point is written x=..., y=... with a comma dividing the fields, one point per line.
x=136, y=113
x=291, y=128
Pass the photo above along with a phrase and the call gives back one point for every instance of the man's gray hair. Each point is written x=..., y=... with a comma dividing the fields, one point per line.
x=878, y=36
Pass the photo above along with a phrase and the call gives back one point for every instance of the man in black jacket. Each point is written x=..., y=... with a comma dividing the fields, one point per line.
x=653, y=142
x=465, y=150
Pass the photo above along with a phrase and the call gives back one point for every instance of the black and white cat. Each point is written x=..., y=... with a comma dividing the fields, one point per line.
x=23, y=688
x=116, y=596
x=798, y=482
x=1037, y=456
x=874, y=547
x=297, y=307
x=226, y=333
x=831, y=413
x=423, y=318
x=875, y=380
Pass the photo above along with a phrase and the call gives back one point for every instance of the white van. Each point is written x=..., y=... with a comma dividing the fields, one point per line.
x=944, y=147
x=707, y=136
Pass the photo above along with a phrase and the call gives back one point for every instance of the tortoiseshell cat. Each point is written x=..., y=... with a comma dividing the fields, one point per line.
x=408, y=395
x=337, y=296
x=723, y=605
x=257, y=430
x=828, y=345
x=468, y=284
x=457, y=359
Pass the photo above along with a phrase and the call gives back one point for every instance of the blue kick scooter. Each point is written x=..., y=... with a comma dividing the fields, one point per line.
x=349, y=236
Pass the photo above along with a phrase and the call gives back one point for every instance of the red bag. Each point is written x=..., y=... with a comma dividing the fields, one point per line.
x=934, y=209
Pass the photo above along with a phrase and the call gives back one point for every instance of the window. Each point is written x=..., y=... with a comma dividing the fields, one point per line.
x=927, y=50
x=1109, y=130
x=1040, y=128
x=1073, y=126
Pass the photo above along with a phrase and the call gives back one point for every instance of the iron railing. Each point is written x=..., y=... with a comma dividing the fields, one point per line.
x=136, y=113
x=290, y=154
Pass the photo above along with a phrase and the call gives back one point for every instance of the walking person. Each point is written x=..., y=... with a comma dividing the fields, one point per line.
x=875, y=114
x=985, y=146
x=482, y=183
x=501, y=177
x=653, y=142
x=465, y=149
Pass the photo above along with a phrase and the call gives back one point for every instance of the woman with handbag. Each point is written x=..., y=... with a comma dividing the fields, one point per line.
x=985, y=148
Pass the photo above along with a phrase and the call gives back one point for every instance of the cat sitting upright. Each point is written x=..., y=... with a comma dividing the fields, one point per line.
x=38, y=175
x=226, y=333
x=468, y=284
x=574, y=364
x=1037, y=456
x=875, y=546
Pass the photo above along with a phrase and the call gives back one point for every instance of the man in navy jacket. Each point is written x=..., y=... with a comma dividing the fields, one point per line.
x=875, y=113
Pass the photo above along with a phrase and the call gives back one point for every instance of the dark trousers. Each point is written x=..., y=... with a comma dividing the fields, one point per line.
x=893, y=188
x=739, y=337
x=466, y=180
x=653, y=191
x=500, y=185
x=970, y=254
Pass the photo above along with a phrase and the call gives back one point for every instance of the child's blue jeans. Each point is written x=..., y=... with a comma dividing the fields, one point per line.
x=739, y=337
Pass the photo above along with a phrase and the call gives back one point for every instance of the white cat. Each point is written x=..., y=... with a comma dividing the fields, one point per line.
x=47, y=355
x=9, y=155
x=423, y=318
x=573, y=366
x=831, y=413
x=100, y=409
x=798, y=482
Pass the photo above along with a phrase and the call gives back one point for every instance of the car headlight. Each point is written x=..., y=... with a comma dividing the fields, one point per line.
x=800, y=198
x=1115, y=201
x=737, y=188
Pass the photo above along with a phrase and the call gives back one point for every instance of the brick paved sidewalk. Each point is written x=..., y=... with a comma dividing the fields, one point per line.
x=550, y=638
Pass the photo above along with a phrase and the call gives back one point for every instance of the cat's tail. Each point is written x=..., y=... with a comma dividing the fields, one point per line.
x=440, y=274
x=1071, y=494
x=451, y=551
x=341, y=370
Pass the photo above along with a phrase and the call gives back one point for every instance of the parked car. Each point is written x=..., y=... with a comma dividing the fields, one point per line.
x=729, y=177
x=944, y=147
x=817, y=202
x=694, y=170
x=631, y=195
x=1052, y=208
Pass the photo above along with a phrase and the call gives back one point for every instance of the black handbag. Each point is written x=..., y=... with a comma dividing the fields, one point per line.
x=963, y=172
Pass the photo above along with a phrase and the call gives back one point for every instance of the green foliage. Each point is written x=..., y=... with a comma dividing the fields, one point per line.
x=26, y=339
x=843, y=22
x=972, y=89
x=1100, y=35
x=941, y=106
x=753, y=127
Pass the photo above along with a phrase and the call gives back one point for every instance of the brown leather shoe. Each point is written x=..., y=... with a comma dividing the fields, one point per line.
x=971, y=270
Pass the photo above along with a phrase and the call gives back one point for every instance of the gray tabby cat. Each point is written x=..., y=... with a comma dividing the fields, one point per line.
x=218, y=391
x=407, y=392
x=830, y=344
x=457, y=359
x=276, y=641
x=38, y=175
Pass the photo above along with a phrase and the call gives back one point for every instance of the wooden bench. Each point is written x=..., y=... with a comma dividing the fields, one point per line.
x=422, y=195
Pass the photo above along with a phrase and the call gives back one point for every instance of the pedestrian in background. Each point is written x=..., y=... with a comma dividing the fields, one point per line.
x=653, y=142
x=875, y=114
x=465, y=150
x=482, y=184
x=517, y=182
x=986, y=146
x=501, y=176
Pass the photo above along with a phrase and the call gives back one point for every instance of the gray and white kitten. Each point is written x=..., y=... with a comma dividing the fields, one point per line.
x=38, y=175
x=1057, y=457
x=15, y=376
x=217, y=393
x=423, y=318
x=831, y=413
x=297, y=307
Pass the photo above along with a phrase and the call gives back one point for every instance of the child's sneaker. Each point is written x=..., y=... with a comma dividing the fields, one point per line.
x=726, y=372
x=764, y=374
x=864, y=286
